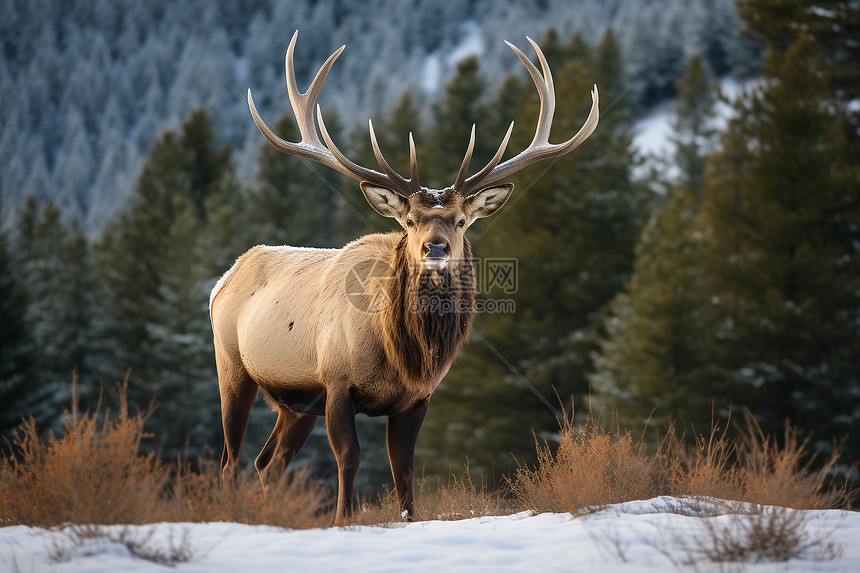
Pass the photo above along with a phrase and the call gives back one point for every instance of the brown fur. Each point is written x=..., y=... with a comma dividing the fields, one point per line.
x=426, y=325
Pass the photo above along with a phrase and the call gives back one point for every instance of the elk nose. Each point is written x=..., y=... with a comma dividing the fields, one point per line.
x=435, y=251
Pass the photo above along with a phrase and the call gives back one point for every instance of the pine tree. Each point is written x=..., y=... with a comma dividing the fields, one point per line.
x=453, y=116
x=156, y=262
x=782, y=200
x=610, y=76
x=692, y=124
x=58, y=272
x=571, y=227
x=17, y=348
x=655, y=361
x=832, y=25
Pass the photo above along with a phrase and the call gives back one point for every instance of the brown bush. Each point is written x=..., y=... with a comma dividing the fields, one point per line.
x=92, y=474
x=294, y=501
x=590, y=467
x=593, y=466
x=95, y=474
x=460, y=498
x=756, y=468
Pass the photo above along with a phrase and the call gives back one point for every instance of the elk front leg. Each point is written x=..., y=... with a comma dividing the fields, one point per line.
x=401, y=435
x=340, y=425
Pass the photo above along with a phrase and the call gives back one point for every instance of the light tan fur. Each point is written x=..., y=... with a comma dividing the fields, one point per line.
x=331, y=341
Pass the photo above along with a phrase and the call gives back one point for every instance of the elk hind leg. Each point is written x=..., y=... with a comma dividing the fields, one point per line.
x=238, y=392
x=289, y=435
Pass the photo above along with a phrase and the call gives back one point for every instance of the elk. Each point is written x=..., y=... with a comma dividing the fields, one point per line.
x=337, y=332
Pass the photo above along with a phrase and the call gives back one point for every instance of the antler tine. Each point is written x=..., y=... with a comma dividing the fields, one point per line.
x=540, y=147
x=400, y=185
x=477, y=179
x=413, y=164
x=546, y=91
x=310, y=146
x=464, y=167
x=346, y=166
x=303, y=104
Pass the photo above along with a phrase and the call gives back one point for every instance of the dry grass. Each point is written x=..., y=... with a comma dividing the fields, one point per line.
x=589, y=468
x=593, y=465
x=747, y=490
x=296, y=501
x=139, y=542
x=761, y=534
x=94, y=475
x=461, y=498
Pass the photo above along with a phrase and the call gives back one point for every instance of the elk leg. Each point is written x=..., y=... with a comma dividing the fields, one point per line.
x=238, y=392
x=401, y=435
x=340, y=425
x=289, y=435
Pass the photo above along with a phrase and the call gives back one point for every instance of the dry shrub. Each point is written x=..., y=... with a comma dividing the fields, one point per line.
x=756, y=468
x=95, y=474
x=293, y=501
x=140, y=543
x=92, y=474
x=461, y=498
x=707, y=468
x=747, y=490
x=761, y=534
x=786, y=474
x=591, y=467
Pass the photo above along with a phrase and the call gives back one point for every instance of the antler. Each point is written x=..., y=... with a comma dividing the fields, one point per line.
x=310, y=146
x=540, y=147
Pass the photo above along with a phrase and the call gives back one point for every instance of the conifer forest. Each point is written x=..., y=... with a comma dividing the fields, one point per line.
x=718, y=277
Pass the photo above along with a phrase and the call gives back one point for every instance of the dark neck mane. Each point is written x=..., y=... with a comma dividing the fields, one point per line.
x=426, y=324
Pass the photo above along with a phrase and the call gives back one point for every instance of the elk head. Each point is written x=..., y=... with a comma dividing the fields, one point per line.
x=434, y=219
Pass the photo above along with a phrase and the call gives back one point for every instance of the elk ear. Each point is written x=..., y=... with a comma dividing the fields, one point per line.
x=487, y=201
x=384, y=201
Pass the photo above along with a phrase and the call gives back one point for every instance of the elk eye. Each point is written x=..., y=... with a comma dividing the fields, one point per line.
x=462, y=223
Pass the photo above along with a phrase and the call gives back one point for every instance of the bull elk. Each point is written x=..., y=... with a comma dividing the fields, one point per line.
x=288, y=320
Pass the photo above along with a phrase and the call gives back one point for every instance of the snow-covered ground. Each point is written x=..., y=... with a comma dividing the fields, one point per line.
x=636, y=536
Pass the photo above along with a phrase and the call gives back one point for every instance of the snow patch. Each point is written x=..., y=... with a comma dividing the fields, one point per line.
x=431, y=73
x=471, y=44
x=652, y=132
x=637, y=536
x=435, y=65
x=220, y=284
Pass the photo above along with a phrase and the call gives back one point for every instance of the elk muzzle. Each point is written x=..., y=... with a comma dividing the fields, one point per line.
x=435, y=256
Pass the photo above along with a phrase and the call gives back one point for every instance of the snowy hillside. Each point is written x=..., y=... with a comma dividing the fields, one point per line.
x=652, y=131
x=636, y=536
x=87, y=86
